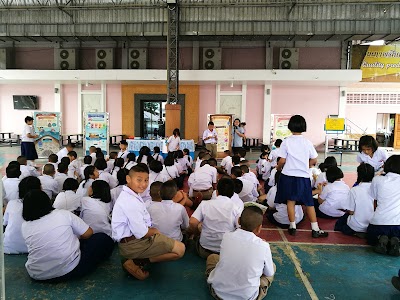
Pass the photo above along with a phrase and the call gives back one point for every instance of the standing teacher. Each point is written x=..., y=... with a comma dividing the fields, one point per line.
x=174, y=141
x=210, y=138
x=27, y=140
x=237, y=136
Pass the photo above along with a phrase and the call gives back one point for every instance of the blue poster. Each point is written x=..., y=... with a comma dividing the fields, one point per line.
x=96, y=131
x=48, y=126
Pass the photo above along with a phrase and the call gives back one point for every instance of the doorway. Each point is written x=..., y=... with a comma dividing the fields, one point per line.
x=153, y=119
x=385, y=123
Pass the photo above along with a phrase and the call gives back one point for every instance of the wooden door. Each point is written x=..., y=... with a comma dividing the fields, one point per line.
x=396, y=143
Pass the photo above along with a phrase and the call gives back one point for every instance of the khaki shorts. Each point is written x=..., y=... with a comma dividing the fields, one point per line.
x=155, y=245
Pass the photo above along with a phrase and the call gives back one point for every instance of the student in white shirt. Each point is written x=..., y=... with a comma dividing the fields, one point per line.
x=87, y=161
x=330, y=201
x=92, y=154
x=155, y=175
x=174, y=141
x=25, y=169
x=210, y=139
x=111, y=161
x=168, y=217
x=244, y=269
x=144, y=155
x=60, y=245
x=263, y=167
x=203, y=181
x=359, y=204
x=370, y=153
x=216, y=217
x=226, y=162
x=10, y=184
x=329, y=161
x=132, y=228
x=49, y=185
x=186, y=154
x=157, y=155
x=64, y=151
x=250, y=176
x=53, y=159
x=96, y=208
x=131, y=161
x=274, y=153
x=91, y=174
x=249, y=192
x=68, y=199
x=101, y=165
x=203, y=155
x=27, y=140
x=123, y=145
x=170, y=171
x=384, y=229
x=13, y=242
x=115, y=192
x=74, y=167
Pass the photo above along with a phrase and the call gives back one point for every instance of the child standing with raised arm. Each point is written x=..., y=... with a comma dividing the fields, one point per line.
x=296, y=154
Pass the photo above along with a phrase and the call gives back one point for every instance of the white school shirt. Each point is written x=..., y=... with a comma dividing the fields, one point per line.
x=143, y=161
x=250, y=176
x=244, y=257
x=320, y=179
x=159, y=157
x=247, y=194
x=93, y=156
x=110, y=165
x=227, y=164
x=96, y=214
x=11, y=189
x=51, y=163
x=202, y=179
x=314, y=172
x=281, y=214
x=219, y=215
x=28, y=171
x=152, y=177
x=377, y=160
x=82, y=170
x=130, y=216
x=115, y=192
x=273, y=157
x=123, y=154
x=271, y=179
x=68, y=200
x=235, y=198
x=27, y=129
x=362, y=204
x=197, y=164
x=130, y=164
x=83, y=190
x=264, y=168
x=385, y=190
x=62, y=153
x=169, y=218
x=184, y=164
x=170, y=172
x=173, y=143
x=115, y=171
x=271, y=196
x=335, y=195
x=14, y=242
x=297, y=151
x=208, y=133
x=107, y=177
x=53, y=244
x=49, y=186
x=74, y=168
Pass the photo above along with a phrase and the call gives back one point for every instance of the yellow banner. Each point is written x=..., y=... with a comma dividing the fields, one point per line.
x=381, y=61
x=334, y=124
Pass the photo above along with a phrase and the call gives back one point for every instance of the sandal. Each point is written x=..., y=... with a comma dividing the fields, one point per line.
x=134, y=270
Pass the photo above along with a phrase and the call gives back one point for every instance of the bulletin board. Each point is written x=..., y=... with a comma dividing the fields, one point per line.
x=223, y=127
x=48, y=126
x=334, y=124
x=280, y=127
x=96, y=131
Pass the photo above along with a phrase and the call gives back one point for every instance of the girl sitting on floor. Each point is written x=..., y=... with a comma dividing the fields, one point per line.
x=91, y=174
x=68, y=199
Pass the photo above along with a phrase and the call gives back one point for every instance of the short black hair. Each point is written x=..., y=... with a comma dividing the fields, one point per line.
x=156, y=166
x=65, y=160
x=251, y=218
x=210, y=123
x=156, y=149
x=178, y=154
x=124, y=142
x=88, y=171
x=155, y=188
x=53, y=158
x=169, y=161
x=242, y=152
x=330, y=161
x=278, y=143
x=99, y=154
x=333, y=174
x=21, y=160
x=36, y=204
x=297, y=123
x=28, y=119
x=131, y=156
x=228, y=152
x=139, y=168
x=101, y=191
x=212, y=162
x=49, y=169
x=70, y=145
x=168, y=190
x=202, y=154
x=14, y=162
x=28, y=184
x=87, y=160
x=365, y=173
x=100, y=164
x=392, y=164
x=236, y=171
x=13, y=171
x=70, y=184
x=176, y=132
x=121, y=176
x=367, y=141
x=244, y=168
x=113, y=155
x=62, y=168
x=203, y=163
x=238, y=185
x=235, y=160
x=119, y=162
x=225, y=187
x=186, y=150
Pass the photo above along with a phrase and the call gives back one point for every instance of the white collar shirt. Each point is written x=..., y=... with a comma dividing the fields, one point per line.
x=110, y=165
x=14, y=242
x=173, y=143
x=107, y=177
x=68, y=200
x=49, y=186
x=271, y=180
x=273, y=157
x=334, y=194
x=123, y=154
x=82, y=170
x=11, y=189
x=227, y=164
x=74, y=169
x=83, y=187
x=281, y=215
x=28, y=171
x=159, y=157
x=213, y=136
x=377, y=160
x=170, y=172
x=247, y=194
x=27, y=129
x=115, y=192
x=96, y=214
x=204, y=178
x=62, y=153
x=93, y=156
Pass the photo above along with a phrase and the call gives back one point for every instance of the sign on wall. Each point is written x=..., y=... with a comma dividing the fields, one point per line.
x=223, y=127
x=96, y=131
x=280, y=127
x=48, y=126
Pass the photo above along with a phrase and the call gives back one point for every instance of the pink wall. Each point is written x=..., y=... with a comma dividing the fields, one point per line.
x=243, y=58
x=114, y=107
x=70, y=108
x=254, y=111
x=207, y=96
x=227, y=88
x=313, y=103
x=319, y=58
x=34, y=58
x=13, y=120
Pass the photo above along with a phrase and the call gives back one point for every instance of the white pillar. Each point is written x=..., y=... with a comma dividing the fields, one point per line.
x=244, y=102
x=58, y=98
x=267, y=114
x=342, y=102
x=79, y=107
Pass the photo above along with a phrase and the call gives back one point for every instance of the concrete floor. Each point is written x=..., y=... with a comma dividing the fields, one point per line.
x=339, y=267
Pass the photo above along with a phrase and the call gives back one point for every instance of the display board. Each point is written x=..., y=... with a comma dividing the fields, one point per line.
x=48, y=126
x=223, y=127
x=280, y=127
x=334, y=124
x=96, y=131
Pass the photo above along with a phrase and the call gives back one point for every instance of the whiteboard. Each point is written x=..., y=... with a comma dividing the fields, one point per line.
x=92, y=103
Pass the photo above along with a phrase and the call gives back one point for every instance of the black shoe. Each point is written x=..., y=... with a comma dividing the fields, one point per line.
x=319, y=234
x=396, y=282
x=394, y=248
x=381, y=247
x=292, y=231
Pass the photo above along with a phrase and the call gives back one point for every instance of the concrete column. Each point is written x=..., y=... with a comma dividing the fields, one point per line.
x=267, y=114
x=58, y=104
x=172, y=118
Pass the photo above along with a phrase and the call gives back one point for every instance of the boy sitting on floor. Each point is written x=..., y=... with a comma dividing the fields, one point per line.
x=244, y=269
x=131, y=227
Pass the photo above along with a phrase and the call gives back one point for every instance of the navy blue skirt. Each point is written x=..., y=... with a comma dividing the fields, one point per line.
x=295, y=189
x=375, y=231
x=28, y=150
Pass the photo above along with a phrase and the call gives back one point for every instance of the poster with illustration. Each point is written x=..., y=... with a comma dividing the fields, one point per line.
x=48, y=126
x=96, y=131
x=280, y=127
x=223, y=127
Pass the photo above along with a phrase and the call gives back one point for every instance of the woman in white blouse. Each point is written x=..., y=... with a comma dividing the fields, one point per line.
x=27, y=140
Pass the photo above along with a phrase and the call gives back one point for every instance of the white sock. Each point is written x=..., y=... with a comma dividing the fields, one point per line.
x=314, y=226
x=292, y=225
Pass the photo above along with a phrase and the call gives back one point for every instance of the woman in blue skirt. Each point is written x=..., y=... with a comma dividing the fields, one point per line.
x=27, y=140
x=296, y=155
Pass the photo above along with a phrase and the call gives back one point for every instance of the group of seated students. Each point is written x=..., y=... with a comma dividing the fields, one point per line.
x=68, y=221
